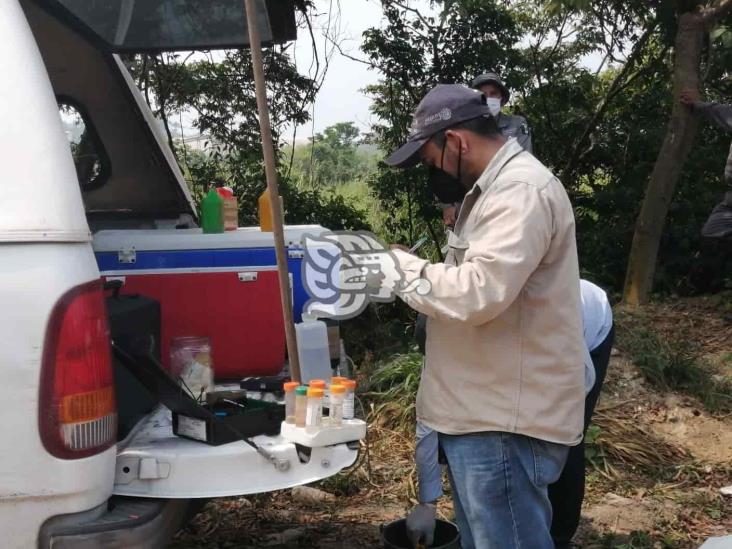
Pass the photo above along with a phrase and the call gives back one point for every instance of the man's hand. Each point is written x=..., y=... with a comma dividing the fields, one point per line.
x=399, y=247
x=689, y=97
x=421, y=524
x=448, y=216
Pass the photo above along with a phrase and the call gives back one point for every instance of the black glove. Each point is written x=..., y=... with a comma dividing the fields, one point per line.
x=421, y=524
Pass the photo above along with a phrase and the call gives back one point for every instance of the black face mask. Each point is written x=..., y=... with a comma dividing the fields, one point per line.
x=446, y=188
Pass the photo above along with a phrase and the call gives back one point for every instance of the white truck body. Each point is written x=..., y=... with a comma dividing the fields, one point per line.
x=45, y=251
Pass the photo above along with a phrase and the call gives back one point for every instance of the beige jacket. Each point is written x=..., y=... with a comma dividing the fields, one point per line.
x=504, y=330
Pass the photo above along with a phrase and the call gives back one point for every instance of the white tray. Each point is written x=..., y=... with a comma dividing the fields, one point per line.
x=351, y=429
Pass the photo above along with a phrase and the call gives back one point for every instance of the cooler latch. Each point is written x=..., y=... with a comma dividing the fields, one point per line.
x=127, y=255
x=247, y=276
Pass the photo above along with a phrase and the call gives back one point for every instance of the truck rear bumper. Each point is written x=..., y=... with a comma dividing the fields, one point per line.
x=122, y=522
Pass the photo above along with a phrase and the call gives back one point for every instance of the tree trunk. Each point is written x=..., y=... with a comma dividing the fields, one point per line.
x=680, y=135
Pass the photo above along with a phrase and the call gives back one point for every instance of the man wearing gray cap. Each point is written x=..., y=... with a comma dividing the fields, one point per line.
x=503, y=383
x=510, y=125
x=497, y=95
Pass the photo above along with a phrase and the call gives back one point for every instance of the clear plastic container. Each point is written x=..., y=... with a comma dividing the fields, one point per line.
x=349, y=399
x=314, y=418
x=289, y=388
x=335, y=413
x=312, y=349
x=301, y=405
x=190, y=362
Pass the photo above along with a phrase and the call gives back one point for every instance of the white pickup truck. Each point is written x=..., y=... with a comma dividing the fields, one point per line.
x=65, y=478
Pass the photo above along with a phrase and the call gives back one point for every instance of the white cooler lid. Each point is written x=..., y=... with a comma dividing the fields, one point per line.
x=194, y=239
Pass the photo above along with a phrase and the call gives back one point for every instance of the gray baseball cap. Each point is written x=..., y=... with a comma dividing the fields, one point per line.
x=444, y=106
x=491, y=78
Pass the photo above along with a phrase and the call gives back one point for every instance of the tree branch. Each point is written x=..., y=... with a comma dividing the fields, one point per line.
x=414, y=11
x=615, y=87
x=712, y=15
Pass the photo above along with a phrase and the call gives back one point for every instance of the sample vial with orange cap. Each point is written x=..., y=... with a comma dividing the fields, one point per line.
x=314, y=417
x=349, y=400
x=337, y=394
x=320, y=384
x=289, y=388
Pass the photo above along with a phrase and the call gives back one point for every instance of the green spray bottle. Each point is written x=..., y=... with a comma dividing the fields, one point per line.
x=212, y=212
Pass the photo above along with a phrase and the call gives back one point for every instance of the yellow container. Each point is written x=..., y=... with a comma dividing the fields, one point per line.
x=265, y=211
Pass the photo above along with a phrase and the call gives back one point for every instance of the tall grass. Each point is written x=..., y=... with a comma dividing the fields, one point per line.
x=672, y=364
x=393, y=391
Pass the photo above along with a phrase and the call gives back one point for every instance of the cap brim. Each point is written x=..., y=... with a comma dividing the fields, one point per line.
x=407, y=155
x=478, y=82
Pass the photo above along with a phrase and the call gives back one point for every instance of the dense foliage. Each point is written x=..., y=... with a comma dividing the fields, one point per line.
x=593, y=79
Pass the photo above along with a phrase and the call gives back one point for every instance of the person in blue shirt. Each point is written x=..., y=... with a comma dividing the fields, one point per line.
x=567, y=493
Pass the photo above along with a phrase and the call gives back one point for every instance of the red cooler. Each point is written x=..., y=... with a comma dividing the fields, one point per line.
x=222, y=286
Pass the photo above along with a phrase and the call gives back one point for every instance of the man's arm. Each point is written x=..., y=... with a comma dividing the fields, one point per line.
x=421, y=520
x=429, y=474
x=715, y=113
x=513, y=233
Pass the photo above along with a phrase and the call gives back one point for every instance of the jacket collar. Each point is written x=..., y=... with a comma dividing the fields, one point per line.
x=510, y=149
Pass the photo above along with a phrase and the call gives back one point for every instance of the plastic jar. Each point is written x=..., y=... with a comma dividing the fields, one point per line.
x=337, y=395
x=349, y=400
x=301, y=405
x=314, y=418
x=289, y=388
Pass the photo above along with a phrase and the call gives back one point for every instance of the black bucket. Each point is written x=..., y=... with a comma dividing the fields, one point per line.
x=394, y=535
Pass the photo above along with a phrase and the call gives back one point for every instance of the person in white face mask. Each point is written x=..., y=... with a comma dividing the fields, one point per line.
x=497, y=95
x=510, y=125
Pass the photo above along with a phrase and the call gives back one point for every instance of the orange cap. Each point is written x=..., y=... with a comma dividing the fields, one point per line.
x=317, y=383
x=338, y=380
x=291, y=386
x=337, y=389
x=315, y=392
x=349, y=384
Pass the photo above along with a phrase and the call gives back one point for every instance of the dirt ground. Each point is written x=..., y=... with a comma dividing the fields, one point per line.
x=673, y=503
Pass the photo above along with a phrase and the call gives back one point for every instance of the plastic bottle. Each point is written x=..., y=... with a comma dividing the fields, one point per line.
x=349, y=400
x=337, y=395
x=312, y=348
x=314, y=418
x=212, y=217
x=266, y=217
x=230, y=208
x=301, y=405
x=264, y=205
x=289, y=388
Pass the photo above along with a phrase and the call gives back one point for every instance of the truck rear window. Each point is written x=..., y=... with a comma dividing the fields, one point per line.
x=167, y=25
x=90, y=158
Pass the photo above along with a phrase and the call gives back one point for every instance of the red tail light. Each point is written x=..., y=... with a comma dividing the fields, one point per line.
x=78, y=412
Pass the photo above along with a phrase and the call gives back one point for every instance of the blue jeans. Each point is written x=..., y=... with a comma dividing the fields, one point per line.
x=499, y=483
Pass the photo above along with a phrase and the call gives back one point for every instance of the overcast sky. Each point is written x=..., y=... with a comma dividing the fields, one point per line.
x=341, y=97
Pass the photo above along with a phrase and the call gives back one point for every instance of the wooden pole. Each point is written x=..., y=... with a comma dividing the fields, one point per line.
x=255, y=46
